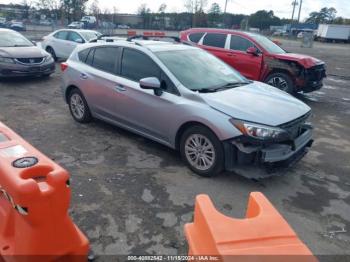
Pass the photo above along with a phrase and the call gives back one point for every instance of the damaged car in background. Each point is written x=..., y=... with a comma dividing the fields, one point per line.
x=219, y=119
x=258, y=58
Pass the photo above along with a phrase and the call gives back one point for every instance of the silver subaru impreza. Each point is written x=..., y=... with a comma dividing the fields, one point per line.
x=187, y=99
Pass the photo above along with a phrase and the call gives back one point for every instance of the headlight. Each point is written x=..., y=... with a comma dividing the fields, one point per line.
x=6, y=60
x=259, y=131
x=48, y=58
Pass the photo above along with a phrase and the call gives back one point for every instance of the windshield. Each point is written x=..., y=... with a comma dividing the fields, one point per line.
x=267, y=44
x=90, y=35
x=198, y=70
x=13, y=39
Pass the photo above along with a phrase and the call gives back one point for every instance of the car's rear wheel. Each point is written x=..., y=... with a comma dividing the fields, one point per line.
x=281, y=81
x=202, y=151
x=78, y=106
x=50, y=50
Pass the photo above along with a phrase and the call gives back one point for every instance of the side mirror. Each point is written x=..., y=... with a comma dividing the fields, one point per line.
x=252, y=50
x=151, y=83
x=79, y=40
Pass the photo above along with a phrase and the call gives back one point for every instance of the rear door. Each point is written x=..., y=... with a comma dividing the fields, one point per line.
x=216, y=44
x=99, y=81
x=247, y=64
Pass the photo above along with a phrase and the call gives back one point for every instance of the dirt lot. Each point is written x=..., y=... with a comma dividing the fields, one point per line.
x=133, y=196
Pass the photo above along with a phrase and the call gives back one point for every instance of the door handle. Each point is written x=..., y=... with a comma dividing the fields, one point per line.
x=119, y=88
x=83, y=76
x=230, y=54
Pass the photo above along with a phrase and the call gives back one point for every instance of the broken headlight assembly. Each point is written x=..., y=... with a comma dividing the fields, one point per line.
x=259, y=131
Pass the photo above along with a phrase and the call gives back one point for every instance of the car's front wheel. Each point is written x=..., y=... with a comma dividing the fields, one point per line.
x=50, y=50
x=281, y=81
x=78, y=106
x=202, y=151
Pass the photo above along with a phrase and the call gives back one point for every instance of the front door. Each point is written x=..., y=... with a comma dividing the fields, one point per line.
x=141, y=109
x=248, y=65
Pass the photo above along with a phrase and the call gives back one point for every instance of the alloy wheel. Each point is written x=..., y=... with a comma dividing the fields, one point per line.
x=77, y=106
x=200, y=152
x=278, y=82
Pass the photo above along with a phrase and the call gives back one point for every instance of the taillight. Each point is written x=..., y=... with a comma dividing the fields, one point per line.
x=64, y=66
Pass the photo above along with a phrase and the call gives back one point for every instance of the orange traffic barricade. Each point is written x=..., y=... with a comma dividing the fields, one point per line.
x=263, y=235
x=34, y=202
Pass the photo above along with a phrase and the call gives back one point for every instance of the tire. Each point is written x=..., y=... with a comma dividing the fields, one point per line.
x=281, y=81
x=78, y=107
x=189, y=152
x=50, y=50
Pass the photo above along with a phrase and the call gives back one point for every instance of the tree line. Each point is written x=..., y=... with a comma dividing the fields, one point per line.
x=196, y=14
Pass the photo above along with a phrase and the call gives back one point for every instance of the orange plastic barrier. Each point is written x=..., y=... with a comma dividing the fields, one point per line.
x=159, y=33
x=34, y=202
x=263, y=235
x=148, y=33
x=131, y=33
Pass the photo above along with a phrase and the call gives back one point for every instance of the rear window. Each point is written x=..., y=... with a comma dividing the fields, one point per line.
x=105, y=58
x=215, y=40
x=195, y=37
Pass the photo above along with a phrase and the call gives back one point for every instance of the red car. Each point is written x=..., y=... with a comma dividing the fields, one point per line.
x=258, y=58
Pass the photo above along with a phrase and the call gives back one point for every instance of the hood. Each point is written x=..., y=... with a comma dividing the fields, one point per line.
x=22, y=52
x=258, y=103
x=305, y=60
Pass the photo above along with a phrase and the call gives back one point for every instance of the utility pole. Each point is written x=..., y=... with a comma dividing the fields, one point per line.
x=301, y=3
x=225, y=7
x=294, y=4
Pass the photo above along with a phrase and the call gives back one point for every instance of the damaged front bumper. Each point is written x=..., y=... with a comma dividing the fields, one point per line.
x=311, y=79
x=240, y=152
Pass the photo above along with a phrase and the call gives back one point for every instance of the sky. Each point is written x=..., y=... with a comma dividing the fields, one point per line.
x=282, y=8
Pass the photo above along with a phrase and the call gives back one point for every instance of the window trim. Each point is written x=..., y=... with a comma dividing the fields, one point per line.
x=189, y=39
x=161, y=71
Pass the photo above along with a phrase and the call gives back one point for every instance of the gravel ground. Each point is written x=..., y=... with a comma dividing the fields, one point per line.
x=133, y=196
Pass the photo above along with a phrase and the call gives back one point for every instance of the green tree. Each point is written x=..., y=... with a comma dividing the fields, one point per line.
x=214, y=14
x=145, y=12
x=263, y=19
x=325, y=15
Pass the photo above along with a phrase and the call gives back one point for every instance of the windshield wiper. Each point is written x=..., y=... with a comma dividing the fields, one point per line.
x=224, y=87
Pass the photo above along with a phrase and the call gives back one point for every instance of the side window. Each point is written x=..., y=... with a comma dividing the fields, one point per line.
x=195, y=37
x=61, y=35
x=215, y=40
x=105, y=58
x=83, y=55
x=240, y=43
x=136, y=65
x=75, y=37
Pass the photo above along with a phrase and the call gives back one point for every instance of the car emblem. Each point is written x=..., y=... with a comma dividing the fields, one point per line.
x=32, y=61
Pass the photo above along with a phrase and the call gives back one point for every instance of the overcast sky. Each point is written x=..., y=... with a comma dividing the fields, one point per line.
x=282, y=8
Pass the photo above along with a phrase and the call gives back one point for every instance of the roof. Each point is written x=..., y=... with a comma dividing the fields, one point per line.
x=153, y=46
x=219, y=30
